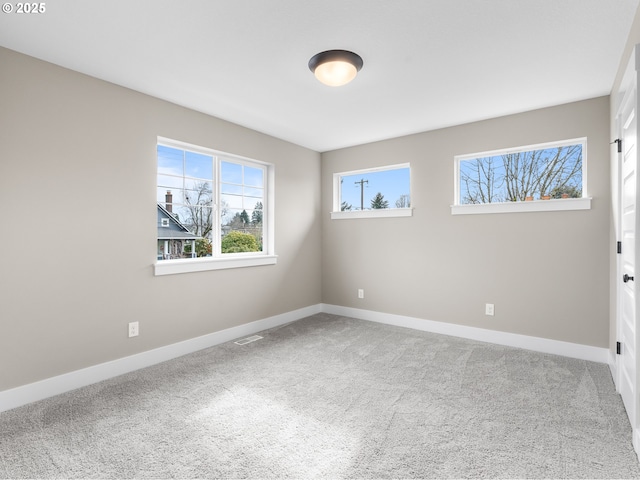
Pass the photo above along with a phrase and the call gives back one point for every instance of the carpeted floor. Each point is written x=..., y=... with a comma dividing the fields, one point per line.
x=333, y=397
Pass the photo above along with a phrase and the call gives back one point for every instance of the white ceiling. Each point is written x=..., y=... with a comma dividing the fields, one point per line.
x=427, y=63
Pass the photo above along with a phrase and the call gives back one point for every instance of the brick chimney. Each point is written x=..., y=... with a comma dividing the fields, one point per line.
x=168, y=200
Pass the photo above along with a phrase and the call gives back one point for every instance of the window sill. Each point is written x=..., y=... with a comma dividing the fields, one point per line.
x=172, y=267
x=520, y=207
x=376, y=213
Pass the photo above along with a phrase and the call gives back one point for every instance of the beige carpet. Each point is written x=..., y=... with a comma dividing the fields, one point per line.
x=333, y=397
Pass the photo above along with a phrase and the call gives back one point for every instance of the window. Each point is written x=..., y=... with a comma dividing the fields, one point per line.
x=214, y=207
x=375, y=192
x=548, y=176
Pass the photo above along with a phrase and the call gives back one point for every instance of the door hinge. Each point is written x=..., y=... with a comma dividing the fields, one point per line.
x=619, y=247
x=619, y=142
x=618, y=348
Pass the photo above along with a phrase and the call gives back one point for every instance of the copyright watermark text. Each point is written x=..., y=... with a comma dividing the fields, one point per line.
x=24, y=8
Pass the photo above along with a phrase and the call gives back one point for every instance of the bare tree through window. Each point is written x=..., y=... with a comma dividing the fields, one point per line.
x=553, y=172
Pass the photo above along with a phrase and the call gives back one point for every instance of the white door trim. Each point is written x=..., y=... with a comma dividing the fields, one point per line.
x=625, y=181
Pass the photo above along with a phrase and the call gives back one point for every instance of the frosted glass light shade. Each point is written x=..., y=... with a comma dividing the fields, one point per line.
x=335, y=74
x=335, y=67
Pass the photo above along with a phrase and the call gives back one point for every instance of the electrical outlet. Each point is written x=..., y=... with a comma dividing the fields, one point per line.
x=360, y=293
x=489, y=309
x=134, y=329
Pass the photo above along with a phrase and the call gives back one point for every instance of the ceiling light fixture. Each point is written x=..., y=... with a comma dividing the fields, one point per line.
x=335, y=67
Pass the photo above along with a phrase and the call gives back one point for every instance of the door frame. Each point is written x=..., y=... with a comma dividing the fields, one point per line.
x=628, y=86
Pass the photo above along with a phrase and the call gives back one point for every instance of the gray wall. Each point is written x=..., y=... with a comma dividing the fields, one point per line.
x=78, y=240
x=547, y=272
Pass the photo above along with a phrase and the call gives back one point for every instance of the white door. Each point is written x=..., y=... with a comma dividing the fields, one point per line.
x=627, y=365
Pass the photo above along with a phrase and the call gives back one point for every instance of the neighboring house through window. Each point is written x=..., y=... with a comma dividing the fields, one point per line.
x=174, y=239
x=212, y=206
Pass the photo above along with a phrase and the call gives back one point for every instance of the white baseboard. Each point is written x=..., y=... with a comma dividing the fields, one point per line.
x=49, y=387
x=543, y=345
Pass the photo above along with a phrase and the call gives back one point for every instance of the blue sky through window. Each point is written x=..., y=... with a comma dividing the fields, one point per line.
x=519, y=175
x=393, y=184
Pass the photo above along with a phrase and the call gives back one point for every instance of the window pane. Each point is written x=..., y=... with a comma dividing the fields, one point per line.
x=253, y=192
x=170, y=161
x=253, y=177
x=170, y=182
x=231, y=173
x=541, y=174
x=231, y=201
x=241, y=231
x=241, y=213
x=195, y=218
x=181, y=214
x=199, y=193
x=198, y=165
x=226, y=215
x=368, y=190
x=188, y=212
x=256, y=213
x=166, y=196
x=233, y=189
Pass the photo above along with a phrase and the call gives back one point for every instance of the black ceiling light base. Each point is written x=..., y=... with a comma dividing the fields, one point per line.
x=343, y=72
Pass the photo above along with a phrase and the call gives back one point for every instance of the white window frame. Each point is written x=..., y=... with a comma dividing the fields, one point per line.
x=164, y=222
x=227, y=260
x=583, y=203
x=337, y=214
